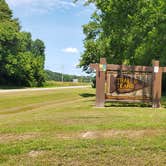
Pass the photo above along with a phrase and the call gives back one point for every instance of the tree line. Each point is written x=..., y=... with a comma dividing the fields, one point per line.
x=65, y=77
x=21, y=58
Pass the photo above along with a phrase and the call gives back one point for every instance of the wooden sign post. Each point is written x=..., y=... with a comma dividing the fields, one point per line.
x=128, y=83
x=100, y=82
x=157, y=82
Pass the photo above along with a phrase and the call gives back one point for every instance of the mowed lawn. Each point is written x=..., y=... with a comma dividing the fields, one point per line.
x=63, y=127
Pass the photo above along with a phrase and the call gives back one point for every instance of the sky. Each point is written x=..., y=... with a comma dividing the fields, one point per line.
x=59, y=24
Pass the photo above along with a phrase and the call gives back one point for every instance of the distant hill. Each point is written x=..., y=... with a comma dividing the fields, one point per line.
x=50, y=75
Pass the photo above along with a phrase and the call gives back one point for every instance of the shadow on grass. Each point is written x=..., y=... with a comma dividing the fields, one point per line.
x=130, y=104
x=163, y=101
x=117, y=103
x=86, y=95
x=126, y=104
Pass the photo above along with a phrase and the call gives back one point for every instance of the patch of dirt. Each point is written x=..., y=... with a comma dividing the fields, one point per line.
x=92, y=134
x=121, y=133
x=34, y=153
x=17, y=137
x=133, y=134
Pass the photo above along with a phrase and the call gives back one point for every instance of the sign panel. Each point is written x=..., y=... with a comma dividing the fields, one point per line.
x=102, y=67
x=156, y=69
x=129, y=86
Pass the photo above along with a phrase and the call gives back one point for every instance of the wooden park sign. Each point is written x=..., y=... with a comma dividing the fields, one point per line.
x=128, y=83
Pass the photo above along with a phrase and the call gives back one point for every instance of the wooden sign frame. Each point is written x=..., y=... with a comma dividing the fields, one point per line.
x=101, y=78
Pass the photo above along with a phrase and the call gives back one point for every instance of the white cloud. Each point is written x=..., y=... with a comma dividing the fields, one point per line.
x=40, y=2
x=30, y=7
x=71, y=50
x=41, y=6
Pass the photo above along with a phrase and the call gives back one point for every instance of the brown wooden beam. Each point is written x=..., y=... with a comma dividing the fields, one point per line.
x=156, y=87
x=163, y=69
x=100, y=83
x=129, y=68
x=93, y=66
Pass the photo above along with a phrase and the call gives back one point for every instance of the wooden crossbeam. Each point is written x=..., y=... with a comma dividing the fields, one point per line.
x=129, y=68
x=163, y=69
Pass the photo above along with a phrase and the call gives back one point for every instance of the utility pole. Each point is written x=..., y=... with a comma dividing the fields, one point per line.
x=62, y=67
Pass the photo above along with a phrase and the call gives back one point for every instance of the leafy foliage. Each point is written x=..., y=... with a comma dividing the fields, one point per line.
x=21, y=58
x=125, y=32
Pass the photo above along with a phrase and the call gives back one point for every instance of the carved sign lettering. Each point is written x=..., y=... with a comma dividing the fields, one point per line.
x=125, y=84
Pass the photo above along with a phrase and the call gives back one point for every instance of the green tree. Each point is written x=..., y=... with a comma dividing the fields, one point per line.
x=38, y=48
x=125, y=32
x=8, y=39
x=5, y=12
x=21, y=58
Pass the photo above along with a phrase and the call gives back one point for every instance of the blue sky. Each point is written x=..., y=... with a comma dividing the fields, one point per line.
x=59, y=24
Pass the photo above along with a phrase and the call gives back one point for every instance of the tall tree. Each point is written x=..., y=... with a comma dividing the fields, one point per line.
x=125, y=31
x=21, y=58
x=8, y=39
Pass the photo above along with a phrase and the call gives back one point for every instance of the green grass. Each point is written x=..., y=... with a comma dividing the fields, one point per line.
x=63, y=127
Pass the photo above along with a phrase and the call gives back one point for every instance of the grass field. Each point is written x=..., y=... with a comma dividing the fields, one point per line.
x=63, y=127
x=62, y=84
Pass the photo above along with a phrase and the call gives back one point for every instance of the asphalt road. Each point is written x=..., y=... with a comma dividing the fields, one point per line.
x=40, y=89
